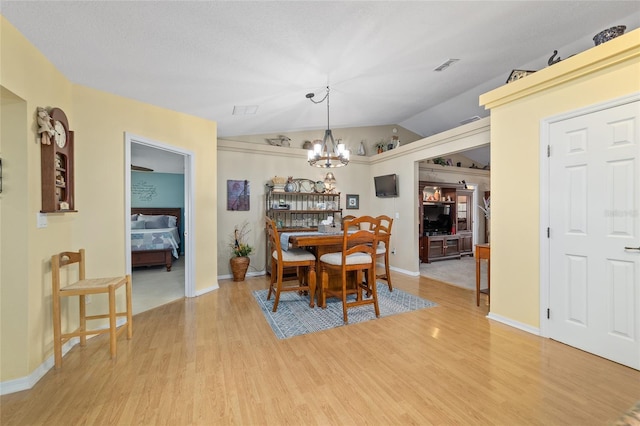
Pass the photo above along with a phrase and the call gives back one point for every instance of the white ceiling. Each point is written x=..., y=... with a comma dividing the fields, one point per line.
x=205, y=57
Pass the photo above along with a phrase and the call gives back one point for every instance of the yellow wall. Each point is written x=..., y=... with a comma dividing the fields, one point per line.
x=13, y=222
x=99, y=121
x=602, y=73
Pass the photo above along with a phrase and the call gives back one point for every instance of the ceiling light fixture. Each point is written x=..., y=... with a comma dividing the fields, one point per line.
x=321, y=155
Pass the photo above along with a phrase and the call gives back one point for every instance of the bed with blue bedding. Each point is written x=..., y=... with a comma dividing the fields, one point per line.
x=155, y=236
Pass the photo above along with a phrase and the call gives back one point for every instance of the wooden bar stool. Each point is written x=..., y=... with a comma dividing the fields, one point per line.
x=82, y=288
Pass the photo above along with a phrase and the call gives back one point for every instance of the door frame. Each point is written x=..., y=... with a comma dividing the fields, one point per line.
x=189, y=226
x=545, y=205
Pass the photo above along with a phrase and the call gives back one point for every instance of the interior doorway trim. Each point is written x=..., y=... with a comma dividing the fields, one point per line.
x=189, y=179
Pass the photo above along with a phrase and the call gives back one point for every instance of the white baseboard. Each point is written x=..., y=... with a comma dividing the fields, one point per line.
x=402, y=271
x=516, y=324
x=27, y=382
x=249, y=274
x=214, y=287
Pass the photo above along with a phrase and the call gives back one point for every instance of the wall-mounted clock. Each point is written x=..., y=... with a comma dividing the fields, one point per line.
x=57, y=166
x=60, y=135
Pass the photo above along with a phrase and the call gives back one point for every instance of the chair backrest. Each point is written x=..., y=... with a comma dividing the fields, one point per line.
x=63, y=259
x=274, y=238
x=385, y=228
x=364, y=239
x=348, y=217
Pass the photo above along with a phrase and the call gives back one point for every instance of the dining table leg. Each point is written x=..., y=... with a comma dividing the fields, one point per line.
x=312, y=285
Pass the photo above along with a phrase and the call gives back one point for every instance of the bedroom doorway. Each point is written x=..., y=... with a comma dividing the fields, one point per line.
x=163, y=163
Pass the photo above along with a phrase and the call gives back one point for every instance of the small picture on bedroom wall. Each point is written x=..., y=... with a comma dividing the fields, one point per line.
x=238, y=195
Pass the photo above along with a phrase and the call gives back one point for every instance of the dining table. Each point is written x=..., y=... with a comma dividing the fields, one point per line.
x=320, y=243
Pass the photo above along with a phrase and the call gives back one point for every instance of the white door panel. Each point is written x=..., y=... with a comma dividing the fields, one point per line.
x=594, y=203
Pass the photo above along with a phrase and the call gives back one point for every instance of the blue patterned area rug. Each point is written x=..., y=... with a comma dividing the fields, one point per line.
x=630, y=418
x=294, y=316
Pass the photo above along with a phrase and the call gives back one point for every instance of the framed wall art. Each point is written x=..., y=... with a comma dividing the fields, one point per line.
x=353, y=201
x=238, y=195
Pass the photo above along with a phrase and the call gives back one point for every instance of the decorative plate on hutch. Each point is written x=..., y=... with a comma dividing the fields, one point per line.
x=306, y=185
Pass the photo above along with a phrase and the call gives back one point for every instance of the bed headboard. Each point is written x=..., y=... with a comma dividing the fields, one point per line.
x=173, y=211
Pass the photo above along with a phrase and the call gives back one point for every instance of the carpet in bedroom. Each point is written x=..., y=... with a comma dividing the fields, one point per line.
x=155, y=286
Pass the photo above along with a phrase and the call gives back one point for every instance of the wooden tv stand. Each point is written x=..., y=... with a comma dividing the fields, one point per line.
x=441, y=247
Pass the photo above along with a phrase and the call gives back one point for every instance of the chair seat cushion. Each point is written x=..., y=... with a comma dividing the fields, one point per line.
x=381, y=249
x=352, y=259
x=94, y=283
x=294, y=255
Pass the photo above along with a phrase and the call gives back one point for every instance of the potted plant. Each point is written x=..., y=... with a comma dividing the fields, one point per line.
x=241, y=250
x=440, y=160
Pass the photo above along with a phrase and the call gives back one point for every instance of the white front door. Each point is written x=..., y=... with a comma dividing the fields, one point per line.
x=594, y=235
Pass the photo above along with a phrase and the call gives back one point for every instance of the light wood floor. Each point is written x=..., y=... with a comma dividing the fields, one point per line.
x=213, y=360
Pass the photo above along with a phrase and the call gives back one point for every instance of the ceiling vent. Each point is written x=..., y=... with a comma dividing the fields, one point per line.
x=446, y=64
x=470, y=120
x=245, y=109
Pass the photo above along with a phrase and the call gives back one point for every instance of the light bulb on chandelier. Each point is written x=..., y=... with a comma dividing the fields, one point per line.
x=322, y=155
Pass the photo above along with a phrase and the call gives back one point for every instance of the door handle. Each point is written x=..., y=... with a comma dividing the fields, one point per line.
x=632, y=248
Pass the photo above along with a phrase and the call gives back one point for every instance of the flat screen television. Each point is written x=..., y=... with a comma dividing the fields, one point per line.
x=386, y=186
x=437, y=219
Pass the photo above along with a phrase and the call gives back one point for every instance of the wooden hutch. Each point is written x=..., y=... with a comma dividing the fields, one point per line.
x=446, y=221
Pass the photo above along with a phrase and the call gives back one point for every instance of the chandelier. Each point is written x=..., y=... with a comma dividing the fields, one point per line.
x=323, y=155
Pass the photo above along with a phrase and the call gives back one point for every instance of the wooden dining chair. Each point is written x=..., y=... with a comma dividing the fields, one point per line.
x=84, y=287
x=302, y=260
x=383, y=248
x=347, y=217
x=357, y=256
